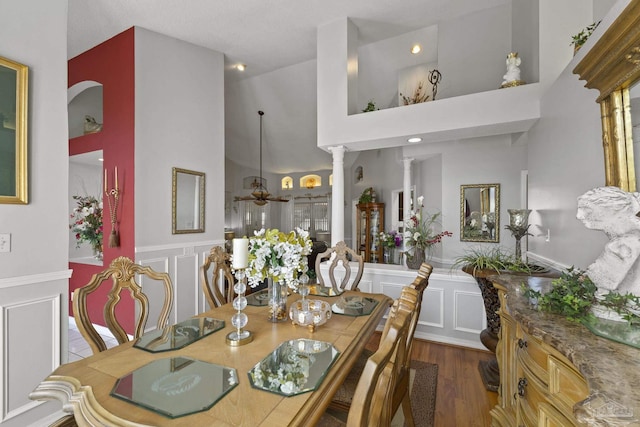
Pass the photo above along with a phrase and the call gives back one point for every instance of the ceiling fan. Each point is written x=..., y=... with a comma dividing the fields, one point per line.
x=260, y=196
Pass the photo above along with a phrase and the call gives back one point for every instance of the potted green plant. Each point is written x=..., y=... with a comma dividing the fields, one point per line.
x=371, y=106
x=367, y=195
x=579, y=39
x=483, y=261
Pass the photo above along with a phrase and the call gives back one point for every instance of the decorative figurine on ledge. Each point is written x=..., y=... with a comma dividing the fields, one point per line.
x=615, y=212
x=512, y=78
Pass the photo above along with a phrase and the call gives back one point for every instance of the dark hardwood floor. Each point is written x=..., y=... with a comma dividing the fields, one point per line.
x=462, y=399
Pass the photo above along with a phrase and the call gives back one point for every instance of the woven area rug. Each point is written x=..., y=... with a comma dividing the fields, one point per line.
x=423, y=383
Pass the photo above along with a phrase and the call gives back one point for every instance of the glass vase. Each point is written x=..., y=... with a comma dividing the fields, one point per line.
x=277, y=292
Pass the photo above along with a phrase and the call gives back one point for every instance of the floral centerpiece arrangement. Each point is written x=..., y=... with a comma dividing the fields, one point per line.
x=87, y=223
x=281, y=258
x=278, y=256
x=420, y=235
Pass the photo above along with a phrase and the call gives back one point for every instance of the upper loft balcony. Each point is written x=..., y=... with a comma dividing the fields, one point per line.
x=470, y=54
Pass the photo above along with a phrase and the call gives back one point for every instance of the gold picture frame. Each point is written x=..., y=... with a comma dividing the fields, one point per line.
x=612, y=66
x=13, y=132
x=480, y=213
x=187, y=201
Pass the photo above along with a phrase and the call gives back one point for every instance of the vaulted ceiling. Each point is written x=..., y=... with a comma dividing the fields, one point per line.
x=268, y=37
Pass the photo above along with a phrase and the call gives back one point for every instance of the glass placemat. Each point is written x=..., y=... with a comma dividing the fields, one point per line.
x=295, y=367
x=354, y=305
x=176, y=386
x=179, y=335
x=322, y=291
x=621, y=332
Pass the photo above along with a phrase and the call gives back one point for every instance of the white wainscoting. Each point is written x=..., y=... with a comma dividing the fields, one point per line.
x=33, y=337
x=182, y=262
x=452, y=308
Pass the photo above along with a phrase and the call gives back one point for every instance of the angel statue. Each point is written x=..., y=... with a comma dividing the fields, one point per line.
x=512, y=78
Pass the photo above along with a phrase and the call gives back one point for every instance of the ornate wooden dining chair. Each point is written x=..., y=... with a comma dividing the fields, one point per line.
x=374, y=391
x=342, y=254
x=345, y=395
x=122, y=272
x=217, y=266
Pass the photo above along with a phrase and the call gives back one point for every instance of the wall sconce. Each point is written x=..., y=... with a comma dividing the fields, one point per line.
x=519, y=227
x=113, y=196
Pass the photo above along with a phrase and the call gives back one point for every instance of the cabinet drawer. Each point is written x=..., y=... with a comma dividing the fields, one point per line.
x=565, y=383
x=532, y=354
x=548, y=416
x=531, y=394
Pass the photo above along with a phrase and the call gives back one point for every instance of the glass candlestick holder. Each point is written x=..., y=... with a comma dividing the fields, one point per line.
x=519, y=227
x=239, y=320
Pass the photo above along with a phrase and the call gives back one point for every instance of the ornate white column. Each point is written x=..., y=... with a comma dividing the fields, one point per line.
x=337, y=195
x=406, y=199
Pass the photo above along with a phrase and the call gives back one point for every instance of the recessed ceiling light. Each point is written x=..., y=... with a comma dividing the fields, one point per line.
x=241, y=67
x=414, y=140
x=416, y=49
x=101, y=160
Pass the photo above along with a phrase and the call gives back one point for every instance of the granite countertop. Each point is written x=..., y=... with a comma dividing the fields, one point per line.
x=611, y=369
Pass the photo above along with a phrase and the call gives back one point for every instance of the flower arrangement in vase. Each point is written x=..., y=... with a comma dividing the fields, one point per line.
x=390, y=242
x=420, y=235
x=281, y=258
x=87, y=223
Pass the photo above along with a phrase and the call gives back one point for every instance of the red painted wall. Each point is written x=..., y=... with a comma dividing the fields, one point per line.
x=111, y=63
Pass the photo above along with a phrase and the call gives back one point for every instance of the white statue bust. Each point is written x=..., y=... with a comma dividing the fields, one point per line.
x=615, y=212
x=512, y=78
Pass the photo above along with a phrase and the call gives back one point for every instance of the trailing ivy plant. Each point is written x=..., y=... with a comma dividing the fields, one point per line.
x=573, y=294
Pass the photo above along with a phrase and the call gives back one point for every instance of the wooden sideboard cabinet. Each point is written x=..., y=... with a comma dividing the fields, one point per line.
x=539, y=386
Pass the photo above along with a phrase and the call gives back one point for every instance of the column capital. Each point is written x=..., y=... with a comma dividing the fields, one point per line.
x=337, y=149
x=407, y=160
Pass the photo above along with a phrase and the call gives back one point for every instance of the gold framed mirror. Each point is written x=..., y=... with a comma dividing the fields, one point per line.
x=613, y=67
x=187, y=207
x=480, y=213
x=13, y=132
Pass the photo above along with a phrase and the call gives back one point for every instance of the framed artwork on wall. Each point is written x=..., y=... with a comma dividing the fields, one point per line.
x=13, y=132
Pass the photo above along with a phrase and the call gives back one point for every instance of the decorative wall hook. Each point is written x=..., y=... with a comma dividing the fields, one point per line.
x=112, y=198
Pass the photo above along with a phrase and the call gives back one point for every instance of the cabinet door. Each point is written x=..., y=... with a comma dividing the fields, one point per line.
x=374, y=235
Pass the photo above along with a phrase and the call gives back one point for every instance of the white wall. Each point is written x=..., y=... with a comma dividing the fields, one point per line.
x=565, y=159
x=472, y=51
x=473, y=161
x=34, y=275
x=179, y=122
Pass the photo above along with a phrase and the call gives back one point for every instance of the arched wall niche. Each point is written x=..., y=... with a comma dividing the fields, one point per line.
x=310, y=181
x=84, y=99
x=286, y=183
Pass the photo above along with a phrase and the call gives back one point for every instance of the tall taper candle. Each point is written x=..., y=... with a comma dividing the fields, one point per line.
x=105, y=180
x=240, y=253
x=116, y=177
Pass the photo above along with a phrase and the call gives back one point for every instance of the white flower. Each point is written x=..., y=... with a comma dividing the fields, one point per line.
x=416, y=236
x=420, y=200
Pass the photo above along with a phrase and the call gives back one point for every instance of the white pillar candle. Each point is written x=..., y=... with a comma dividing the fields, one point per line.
x=240, y=258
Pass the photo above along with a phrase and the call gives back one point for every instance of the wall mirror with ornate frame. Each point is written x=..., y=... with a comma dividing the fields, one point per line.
x=13, y=132
x=480, y=213
x=187, y=208
x=613, y=67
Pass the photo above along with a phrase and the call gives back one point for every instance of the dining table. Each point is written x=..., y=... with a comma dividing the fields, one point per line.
x=91, y=387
